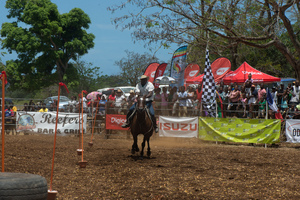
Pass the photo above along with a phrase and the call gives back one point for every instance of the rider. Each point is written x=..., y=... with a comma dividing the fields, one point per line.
x=144, y=89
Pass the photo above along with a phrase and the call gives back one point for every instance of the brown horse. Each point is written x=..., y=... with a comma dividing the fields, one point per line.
x=141, y=124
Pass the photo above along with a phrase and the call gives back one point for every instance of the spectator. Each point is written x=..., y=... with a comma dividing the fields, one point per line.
x=119, y=101
x=83, y=103
x=274, y=95
x=111, y=100
x=261, y=107
x=280, y=94
x=252, y=99
x=198, y=97
x=157, y=100
x=175, y=101
x=43, y=109
x=102, y=105
x=9, y=113
x=32, y=106
x=26, y=107
x=182, y=96
x=295, y=92
x=284, y=100
x=248, y=83
x=164, y=102
x=131, y=99
x=244, y=104
x=190, y=101
x=234, y=98
x=73, y=105
x=261, y=92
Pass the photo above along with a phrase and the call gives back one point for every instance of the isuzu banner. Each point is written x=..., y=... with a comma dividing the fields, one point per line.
x=292, y=130
x=266, y=131
x=115, y=122
x=178, y=126
x=44, y=122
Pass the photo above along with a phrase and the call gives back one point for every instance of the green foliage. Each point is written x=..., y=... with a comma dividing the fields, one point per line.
x=44, y=40
x=133, y=66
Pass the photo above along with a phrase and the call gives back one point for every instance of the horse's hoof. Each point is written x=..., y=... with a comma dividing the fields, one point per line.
x=148, y=154
x=132, y=151
x=137, y=150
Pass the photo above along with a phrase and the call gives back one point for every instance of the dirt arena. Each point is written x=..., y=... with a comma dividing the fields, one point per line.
x=177, y=169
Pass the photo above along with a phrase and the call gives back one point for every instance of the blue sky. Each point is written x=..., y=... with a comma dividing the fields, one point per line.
x=110, y=43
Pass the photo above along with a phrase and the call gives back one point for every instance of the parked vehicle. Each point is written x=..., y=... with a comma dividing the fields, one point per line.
x=125, y=89
x=63, y=102
x=106, y=91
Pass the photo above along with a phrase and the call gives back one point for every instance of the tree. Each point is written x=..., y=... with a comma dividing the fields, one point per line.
x=44, y=40
x=134, y=65
x=224, y=25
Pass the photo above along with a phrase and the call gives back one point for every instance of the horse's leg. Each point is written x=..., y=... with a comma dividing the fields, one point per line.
x=148, y=150
x=143, y=146
x=134, y=145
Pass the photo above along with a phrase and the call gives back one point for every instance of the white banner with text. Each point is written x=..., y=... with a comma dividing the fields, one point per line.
x=292, y=130
x=178, y=127
x=44, y=122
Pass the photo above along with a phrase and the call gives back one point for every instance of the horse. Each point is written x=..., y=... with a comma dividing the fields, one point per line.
x=141, y=123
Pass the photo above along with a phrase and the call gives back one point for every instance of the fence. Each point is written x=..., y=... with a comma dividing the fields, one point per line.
x=97, y=120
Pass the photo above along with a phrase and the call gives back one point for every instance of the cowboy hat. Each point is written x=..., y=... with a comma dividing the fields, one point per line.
x=144, y=77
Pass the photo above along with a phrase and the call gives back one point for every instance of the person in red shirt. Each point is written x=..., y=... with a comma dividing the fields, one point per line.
x=111, y=100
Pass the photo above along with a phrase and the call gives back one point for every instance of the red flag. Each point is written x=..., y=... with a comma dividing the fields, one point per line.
x=220, y=67
x=5, y=77
x=62, y=84
x=160, y=72
x=150, y=71
x=191, y=71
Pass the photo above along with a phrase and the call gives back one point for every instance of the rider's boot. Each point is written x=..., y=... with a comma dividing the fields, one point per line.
x=126, y=124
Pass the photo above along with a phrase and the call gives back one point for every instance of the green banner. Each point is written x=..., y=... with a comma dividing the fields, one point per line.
x=266, y=131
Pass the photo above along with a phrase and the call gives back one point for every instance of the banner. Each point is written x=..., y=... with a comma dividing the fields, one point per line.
x=220, y=67
x=44, y=122
x=292, y=130
x=191, y=71
x=265, y=131
x=150, y=71
x=186, y=127
x=178, y=65
x=160, y=72
x=115, y=122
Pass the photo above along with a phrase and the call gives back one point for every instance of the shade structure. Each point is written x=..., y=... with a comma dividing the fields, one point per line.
x=164, y=80
x=195, y=80
x=240, y=75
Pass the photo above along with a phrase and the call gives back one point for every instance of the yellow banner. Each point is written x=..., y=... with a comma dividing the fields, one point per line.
x=266, y=131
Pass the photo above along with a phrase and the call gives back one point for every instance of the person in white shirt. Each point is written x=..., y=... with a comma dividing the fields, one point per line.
x=295, y=91
x=145, y=89
x=119, y=101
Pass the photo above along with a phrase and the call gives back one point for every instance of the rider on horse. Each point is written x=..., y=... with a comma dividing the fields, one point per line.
x=144, y=89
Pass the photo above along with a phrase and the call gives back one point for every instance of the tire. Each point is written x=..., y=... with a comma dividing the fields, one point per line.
x=20, y=186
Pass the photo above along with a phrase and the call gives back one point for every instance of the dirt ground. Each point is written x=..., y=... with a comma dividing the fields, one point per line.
x=177, y=169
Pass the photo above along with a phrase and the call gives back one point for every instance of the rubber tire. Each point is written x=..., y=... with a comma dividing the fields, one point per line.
x=21, y=186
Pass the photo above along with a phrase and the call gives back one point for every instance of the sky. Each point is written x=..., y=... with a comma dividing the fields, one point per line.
x=110, y=43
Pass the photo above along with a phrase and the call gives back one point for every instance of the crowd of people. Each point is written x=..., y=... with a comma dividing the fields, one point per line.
x=242, y=101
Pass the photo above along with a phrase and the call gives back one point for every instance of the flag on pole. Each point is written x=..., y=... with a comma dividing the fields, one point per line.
x=159, y=72
x=208, y=89
x=273, y=105
x=178, y=65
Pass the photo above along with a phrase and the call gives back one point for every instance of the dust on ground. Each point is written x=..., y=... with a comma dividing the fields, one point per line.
x=179, y=168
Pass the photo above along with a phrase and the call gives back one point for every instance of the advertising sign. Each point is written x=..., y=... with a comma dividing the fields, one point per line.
x=115, y=122
x=292, y=130
x=186, y=127
x=266, y=131
x=44, y=122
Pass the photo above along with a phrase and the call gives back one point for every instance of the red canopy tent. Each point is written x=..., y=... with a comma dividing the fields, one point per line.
x=240, y=75
x=195, y=80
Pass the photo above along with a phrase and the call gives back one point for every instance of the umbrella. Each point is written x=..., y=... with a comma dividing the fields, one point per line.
x=165, y=80
x=93, y=95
